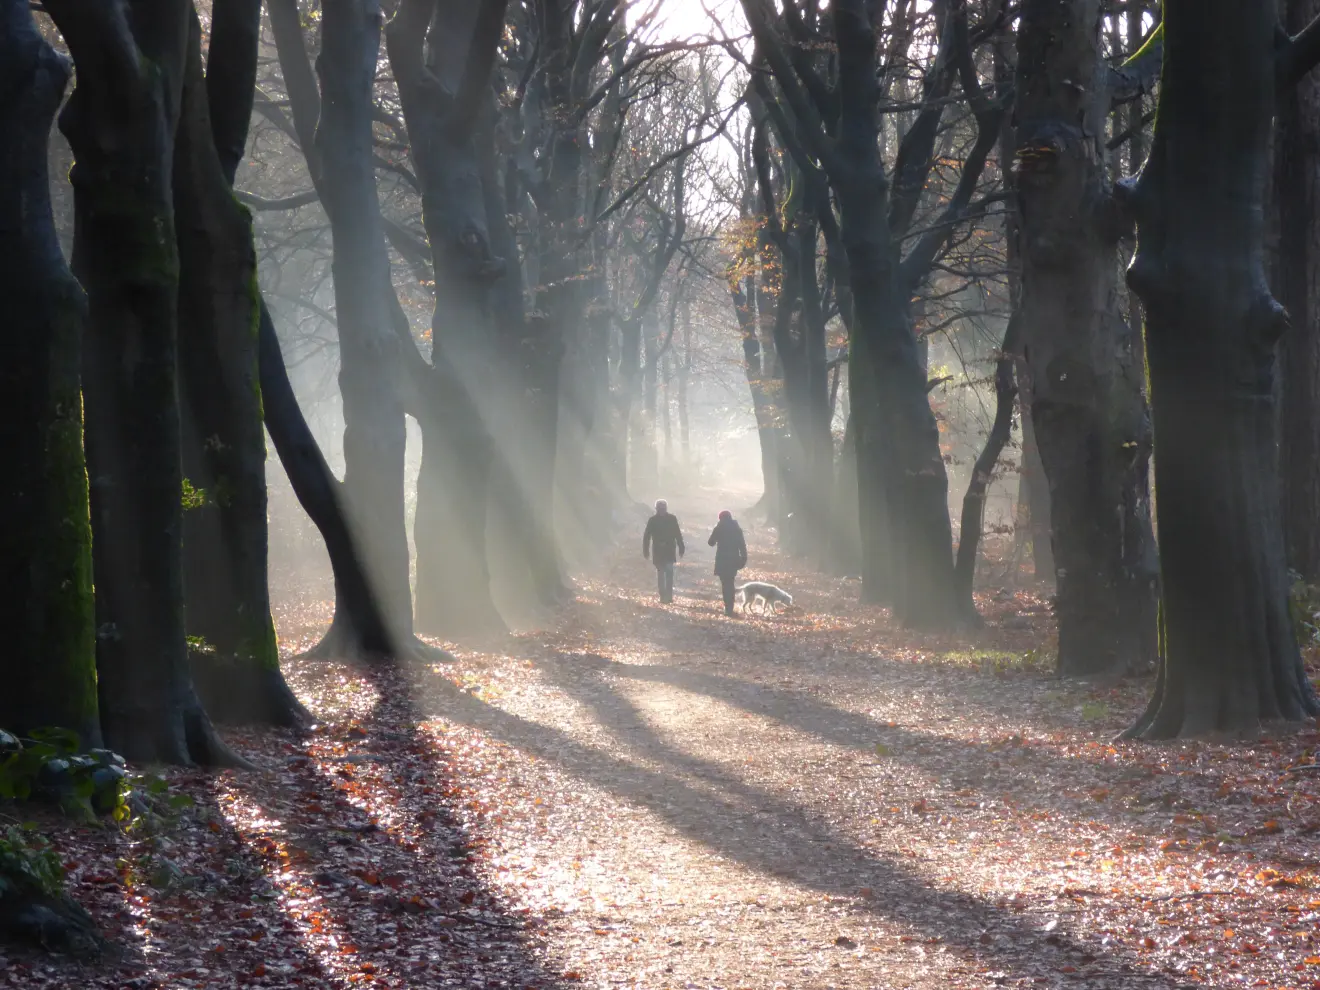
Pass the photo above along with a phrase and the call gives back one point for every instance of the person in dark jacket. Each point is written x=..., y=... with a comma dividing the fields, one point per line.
x=730, y=555
x=666, y=539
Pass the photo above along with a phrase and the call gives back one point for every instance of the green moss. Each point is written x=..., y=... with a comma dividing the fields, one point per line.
x=1155, y=38
x=63, y=589
x=146, y=252
x=262, y=648
x=28, y=865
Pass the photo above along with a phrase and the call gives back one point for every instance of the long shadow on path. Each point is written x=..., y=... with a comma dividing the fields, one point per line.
x=764, y=833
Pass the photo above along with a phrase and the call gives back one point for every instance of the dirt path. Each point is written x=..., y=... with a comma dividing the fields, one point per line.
x=658, y=797
x=817, y=800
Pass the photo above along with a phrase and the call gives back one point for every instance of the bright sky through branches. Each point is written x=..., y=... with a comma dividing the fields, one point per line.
x=683, y=19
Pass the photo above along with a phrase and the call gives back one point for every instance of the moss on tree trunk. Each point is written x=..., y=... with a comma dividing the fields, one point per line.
x=120, y=123
x=46, y=605
x=225, y=538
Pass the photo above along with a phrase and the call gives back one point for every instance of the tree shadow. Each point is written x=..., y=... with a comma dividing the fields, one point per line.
x=1031, y=775
x=288, y=877
x=399, y=872
x=765, y=833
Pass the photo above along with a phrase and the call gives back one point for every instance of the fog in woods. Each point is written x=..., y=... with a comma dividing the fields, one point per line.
x=664, y=493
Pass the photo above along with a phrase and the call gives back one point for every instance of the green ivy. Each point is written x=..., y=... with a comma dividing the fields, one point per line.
x=28, y=864
x=48, y=764
x=192, y=498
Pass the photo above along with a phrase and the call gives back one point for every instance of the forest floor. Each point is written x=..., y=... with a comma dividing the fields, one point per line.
x=656, y=796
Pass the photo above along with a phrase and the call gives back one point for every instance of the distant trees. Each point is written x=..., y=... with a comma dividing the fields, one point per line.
x=833, y=124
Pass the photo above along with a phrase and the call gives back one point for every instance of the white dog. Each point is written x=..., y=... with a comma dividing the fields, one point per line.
x=767, y=594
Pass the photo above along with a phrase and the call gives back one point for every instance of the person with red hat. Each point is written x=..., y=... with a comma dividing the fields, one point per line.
x=730, y=555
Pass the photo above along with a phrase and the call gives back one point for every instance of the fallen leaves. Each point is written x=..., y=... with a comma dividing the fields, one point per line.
x=659, y=798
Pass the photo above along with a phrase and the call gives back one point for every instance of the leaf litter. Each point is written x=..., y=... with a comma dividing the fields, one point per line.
x=654, y=796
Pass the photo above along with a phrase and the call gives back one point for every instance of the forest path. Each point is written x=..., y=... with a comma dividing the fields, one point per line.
x=659, y=797
x=820, y=800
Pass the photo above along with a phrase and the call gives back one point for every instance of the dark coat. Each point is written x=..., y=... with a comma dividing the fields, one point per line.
x=663, y=538
x=730, y=547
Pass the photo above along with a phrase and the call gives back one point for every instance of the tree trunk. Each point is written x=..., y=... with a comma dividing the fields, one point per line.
x=1297, y=280
x=973, y=507
x=813, y=429
x=1087, y=408
x=846, y=556
x=453, y=488
x=46, y=607
x=524, y=473
x=878, y=572
x=1228, y=659
x=906, y=453
x=370, y=360
x=684, y=373
x=224, y=447
x=359, y=626
x=745, y=305
x=120, y=123
x=1033, y=503
x=666, y=420
x=771, y=421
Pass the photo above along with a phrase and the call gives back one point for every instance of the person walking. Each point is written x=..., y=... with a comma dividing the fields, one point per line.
x=666, y=540
x=730, y=554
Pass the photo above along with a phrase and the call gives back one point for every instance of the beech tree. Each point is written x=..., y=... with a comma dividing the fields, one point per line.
x=121, y=122
x=1296, y=273
x=49, y=665
x=442, y=55
x=1229, y=660
x=1083, y=359
x=332, y=126
x=223, y=446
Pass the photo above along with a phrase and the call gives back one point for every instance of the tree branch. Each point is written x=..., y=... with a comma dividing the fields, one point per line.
x=811, y=128
x=231, y=77
x=299, y=78
x=1298, y=56
x=917, y=264
x=478, y=66
x=1138, y=75
x=917, y=150
x=262, y=204
x=660, y=163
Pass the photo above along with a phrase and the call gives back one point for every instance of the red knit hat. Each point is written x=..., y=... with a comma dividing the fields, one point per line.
x=726, y=514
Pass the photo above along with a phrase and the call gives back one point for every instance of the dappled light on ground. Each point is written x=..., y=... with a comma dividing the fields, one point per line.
x=657, y=796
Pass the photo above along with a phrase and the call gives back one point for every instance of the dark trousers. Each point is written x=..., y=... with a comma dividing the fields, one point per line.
x=665, y=581
x=726, y=586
